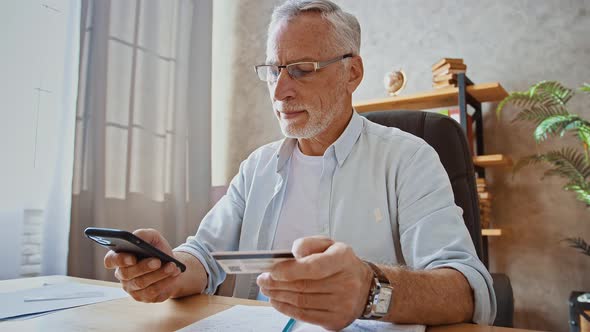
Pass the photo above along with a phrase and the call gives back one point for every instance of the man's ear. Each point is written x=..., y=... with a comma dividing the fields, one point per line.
x=356, y=73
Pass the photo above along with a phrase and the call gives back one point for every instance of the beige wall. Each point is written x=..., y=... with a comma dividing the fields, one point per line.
x=514, y=42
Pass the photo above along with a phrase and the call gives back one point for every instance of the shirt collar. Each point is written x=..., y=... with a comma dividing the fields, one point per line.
x=342, y=146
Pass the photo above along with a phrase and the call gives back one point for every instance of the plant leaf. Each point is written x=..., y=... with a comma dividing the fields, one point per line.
x=585, y=87
x=582, y=192
x=553, y=125
x=567, y=163
x=542, y=100
x=578, y=243
x=552, y=89
x=560, y=124
x=537, y=113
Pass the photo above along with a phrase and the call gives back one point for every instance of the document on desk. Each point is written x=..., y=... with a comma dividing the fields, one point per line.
x=362, y=325
x=262, y=319
x=241, y=318
x=32, y=302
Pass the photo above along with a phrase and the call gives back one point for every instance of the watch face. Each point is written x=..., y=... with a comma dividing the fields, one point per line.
x=383, y=300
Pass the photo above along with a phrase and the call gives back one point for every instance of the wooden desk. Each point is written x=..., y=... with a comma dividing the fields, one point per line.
x=129, y=315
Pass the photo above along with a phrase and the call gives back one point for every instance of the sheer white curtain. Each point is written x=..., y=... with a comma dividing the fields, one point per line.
x=38, y=86
x=143, y=146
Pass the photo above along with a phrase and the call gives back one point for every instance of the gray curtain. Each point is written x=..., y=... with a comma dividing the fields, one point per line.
x=143, y=133
x=38, y=89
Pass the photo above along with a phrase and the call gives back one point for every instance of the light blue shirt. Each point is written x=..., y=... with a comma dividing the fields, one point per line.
x=383, y=192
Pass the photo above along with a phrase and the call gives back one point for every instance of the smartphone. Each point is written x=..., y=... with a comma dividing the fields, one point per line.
x=122, y=241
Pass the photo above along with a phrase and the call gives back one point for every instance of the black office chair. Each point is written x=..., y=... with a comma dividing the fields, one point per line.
x=447, y=138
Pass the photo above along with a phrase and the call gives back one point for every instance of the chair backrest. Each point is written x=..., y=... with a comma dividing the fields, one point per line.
x=448, y=139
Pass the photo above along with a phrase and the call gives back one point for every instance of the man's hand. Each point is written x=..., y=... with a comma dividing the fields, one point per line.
x=146, y=280
x=326, y=285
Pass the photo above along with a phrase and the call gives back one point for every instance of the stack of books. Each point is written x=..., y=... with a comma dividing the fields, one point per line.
x=444, y=72
x=485, y=203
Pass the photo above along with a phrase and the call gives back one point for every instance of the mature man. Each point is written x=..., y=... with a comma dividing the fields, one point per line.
x=358, y=203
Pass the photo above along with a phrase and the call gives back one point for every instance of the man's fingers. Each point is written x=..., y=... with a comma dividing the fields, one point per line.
x=113, y=260
x=154, y=238
x=315, y=266
x=310, y=245
x=143, y=267
x=303, y=300
x=156, y=292
x=151, y=278
x=317, y=317
x=302, y=285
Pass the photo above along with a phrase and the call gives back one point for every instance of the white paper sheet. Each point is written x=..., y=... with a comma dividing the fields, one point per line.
x=262, y=319
x=53, y=297
x=362, y=326
x=241, y=318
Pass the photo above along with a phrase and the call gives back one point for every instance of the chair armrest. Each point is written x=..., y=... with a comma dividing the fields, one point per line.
x=504, y=299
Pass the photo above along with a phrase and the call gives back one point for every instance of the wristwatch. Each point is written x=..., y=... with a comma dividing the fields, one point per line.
x=380, y=295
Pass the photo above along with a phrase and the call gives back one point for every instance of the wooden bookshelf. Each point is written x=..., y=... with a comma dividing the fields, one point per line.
x=486, y=92
x=491, y=232
x=492, y=160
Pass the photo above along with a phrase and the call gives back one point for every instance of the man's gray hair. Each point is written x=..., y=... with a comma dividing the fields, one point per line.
x=346, y=28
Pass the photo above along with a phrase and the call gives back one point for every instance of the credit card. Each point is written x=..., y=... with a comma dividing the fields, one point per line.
x=250, y=262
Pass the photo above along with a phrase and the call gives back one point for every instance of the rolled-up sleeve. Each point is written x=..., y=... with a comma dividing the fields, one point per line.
x=219, y=231
x=433, y=233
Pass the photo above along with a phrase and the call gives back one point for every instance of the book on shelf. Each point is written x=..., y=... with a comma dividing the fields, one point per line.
x=484, y=196
x=485, y=203
x=444, y=61
x=447, y=77
x=450, y=68
x=444, y=84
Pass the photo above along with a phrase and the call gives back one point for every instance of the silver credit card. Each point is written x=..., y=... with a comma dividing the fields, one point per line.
x=250, y=262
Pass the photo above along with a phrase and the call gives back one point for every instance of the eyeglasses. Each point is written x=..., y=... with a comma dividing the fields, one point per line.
x=270, y=73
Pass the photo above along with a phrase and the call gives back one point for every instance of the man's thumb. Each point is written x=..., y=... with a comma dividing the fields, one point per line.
x=310, y=245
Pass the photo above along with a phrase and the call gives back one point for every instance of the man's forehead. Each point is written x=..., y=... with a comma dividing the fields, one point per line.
x=302, y=38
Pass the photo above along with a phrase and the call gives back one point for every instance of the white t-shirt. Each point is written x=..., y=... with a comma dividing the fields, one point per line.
x=299, y=213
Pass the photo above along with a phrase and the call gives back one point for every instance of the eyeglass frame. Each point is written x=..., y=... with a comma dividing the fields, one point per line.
x=317, y=65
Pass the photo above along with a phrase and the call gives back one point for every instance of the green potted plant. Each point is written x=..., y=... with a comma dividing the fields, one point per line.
x=545, y=105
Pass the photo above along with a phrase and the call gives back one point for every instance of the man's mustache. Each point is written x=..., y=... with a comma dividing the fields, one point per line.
x=282, y=107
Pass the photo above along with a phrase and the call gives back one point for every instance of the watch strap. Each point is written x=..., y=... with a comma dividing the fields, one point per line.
x=379, y=273
x=378, y=278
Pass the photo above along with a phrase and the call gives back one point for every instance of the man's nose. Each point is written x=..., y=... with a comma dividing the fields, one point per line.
x=284, y=86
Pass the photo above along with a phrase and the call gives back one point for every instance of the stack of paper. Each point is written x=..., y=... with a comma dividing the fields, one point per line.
x=33, y=302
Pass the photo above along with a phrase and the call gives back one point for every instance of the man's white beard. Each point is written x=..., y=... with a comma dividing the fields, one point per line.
x=317, y=121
